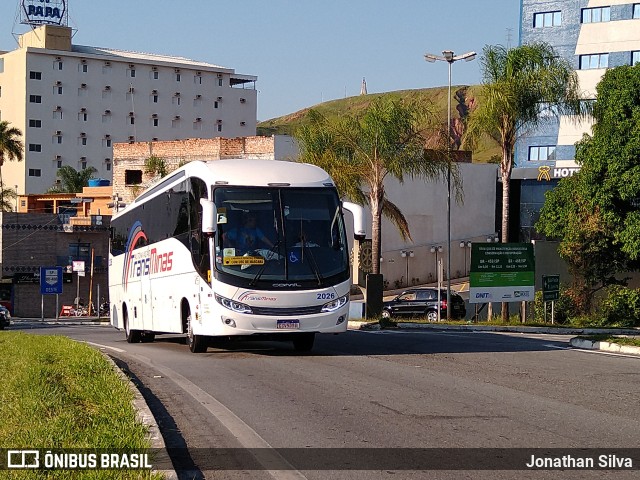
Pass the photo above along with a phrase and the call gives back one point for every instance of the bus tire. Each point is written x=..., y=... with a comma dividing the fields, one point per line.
x=133, y=336
x=196, y=343
x=303, y=342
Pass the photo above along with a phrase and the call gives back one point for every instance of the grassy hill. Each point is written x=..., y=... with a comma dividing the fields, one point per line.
x=436, y=97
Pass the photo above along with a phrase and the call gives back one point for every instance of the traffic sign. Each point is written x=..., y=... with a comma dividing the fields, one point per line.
x=550, y=287
x=50, y=280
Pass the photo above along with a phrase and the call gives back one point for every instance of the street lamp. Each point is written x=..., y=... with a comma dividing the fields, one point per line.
x=466, y=244
x=449, y=57
x=436, y=249
x=407, y=254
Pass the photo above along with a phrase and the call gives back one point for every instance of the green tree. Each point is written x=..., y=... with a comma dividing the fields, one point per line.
x=595, y=212
x=72, y=180
x=10, y=148
x=361, y=151
x=517, y=82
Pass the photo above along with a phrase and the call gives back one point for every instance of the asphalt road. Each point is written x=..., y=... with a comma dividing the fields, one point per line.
x=498, y=397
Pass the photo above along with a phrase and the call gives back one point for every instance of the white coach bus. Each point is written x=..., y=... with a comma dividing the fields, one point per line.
x=233, y=248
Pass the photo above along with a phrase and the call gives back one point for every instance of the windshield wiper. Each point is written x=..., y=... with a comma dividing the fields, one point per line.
x=314, y=265
x=264, y=265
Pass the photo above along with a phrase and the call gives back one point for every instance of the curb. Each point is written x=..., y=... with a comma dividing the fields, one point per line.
x=359, y=325
x=145, y=416
x=604, y=346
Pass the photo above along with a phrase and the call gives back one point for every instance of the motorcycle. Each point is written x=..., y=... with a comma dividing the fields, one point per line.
x=104, y=309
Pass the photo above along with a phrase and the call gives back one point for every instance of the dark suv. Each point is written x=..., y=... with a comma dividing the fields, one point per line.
x=418, y=302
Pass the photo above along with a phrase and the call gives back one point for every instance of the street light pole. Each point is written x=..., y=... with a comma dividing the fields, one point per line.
x=449, y=57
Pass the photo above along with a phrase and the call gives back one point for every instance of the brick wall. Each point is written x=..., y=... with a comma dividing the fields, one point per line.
x=132, y=156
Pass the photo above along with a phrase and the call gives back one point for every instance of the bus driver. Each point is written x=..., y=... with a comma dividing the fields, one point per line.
x=247, y=237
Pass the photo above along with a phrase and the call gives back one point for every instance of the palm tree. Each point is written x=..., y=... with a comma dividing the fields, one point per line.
x=10, y=148
x=517, y=82
x=72, y=180
x=7, y=198
x=360, y=152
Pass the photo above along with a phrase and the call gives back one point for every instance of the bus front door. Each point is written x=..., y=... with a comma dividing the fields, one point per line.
x=146, y=300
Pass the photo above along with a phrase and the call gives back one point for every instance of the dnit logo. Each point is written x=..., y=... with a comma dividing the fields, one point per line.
x=483, y=295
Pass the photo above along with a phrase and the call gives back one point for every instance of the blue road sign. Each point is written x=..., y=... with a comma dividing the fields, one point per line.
x=50, y=280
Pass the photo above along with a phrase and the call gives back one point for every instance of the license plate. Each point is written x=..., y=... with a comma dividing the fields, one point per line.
x=288, y=324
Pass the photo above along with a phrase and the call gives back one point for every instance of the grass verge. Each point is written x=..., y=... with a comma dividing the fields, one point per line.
x=56, y=394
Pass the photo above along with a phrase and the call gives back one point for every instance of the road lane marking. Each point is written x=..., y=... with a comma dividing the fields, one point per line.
x=263, y=452
x=119, y=350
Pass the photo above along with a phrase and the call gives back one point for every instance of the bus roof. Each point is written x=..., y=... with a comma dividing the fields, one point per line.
x=258, y=172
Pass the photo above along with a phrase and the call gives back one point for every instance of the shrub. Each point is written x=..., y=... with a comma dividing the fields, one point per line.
x=621, y=307
x=564, y=308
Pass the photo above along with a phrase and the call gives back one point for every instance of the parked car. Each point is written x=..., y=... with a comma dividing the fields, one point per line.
x=5, y=317
x=417, y=302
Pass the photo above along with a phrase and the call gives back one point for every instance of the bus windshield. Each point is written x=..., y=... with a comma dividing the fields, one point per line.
x=269, y=235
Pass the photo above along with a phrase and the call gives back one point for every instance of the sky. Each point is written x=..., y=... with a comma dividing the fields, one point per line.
x=303, y=52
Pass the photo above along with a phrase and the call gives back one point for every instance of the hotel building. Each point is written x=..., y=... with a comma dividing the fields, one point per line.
x=592, y=35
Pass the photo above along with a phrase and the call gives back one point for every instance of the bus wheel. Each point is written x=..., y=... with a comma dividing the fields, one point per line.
x=133, y=336
x=197, y=343
x=303, y=342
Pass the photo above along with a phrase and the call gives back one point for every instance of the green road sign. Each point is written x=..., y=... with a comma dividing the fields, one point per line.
x=501, y=272
x=550, y=287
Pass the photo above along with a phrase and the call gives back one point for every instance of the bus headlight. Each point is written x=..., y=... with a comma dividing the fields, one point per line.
x=233, y=305
x=334, y=305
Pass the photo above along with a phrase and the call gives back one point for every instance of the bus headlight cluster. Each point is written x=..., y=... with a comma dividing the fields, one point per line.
x=233, y=305
x=334, y=305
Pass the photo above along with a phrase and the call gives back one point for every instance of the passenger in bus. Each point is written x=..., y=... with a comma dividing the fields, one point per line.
x=248, y=237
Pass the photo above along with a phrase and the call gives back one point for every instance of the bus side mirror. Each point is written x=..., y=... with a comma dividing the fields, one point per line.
x=209, y=216
x=357, y=211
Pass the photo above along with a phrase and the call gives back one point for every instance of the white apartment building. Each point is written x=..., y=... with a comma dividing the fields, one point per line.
x=72, y=102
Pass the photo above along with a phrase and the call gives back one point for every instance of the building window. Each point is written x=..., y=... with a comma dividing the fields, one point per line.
x=593, y=61
x=57, y=139
x=57, y=90
x=35, y=75
x=106, y=142
x=83, y=67
x=83, y=116
x=216, y=104
x=132, y=120
x=220, y=82
x=132, y=72
x=132, y=177
x=596, y=15
x=219, y=127
x=155, y=122
x=35, y=99
x=176, y=100
x=35, y=172
x=635, y=57
x=197, y=79
x=82, y=141
x=547, y=152
x=178, y=77
x=547, y=19
x=83, y=164
x=57, y=65
x=35, y=123
x=58, y=163
x=35, y=147
x=108, y=167
x=57, y=114
x=155, y=75
x=636, y=10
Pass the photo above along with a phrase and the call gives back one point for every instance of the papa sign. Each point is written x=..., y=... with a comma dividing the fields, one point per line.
x=37, y=12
